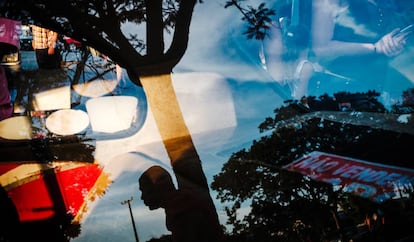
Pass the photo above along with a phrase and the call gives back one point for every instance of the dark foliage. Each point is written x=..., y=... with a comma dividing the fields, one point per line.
x=98, y=24
x=407, y=104
x=258, y=19
x=286, y=206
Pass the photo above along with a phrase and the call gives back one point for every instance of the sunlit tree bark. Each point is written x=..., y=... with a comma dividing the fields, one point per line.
x=174, y=132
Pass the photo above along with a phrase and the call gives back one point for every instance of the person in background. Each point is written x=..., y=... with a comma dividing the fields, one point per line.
x=287, y=59
x=296, y=55
x=287, y=53
x=44, y=45
x=358, y=38
x=188, y=216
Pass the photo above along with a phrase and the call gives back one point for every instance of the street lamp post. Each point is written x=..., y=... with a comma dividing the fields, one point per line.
x=128, y=201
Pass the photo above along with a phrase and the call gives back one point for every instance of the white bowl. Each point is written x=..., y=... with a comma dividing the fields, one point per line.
x=111, y=114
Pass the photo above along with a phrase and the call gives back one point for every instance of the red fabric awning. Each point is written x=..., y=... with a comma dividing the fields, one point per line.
x=10, y=31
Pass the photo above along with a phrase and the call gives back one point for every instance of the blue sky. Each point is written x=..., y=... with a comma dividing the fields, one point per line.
x=218, y=45
x=223, y=96
x=219, y=80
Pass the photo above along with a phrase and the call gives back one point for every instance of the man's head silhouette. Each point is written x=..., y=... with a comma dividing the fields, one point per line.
x=155, y=185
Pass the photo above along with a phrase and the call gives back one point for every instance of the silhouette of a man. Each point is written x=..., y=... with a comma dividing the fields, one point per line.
x=189, y=216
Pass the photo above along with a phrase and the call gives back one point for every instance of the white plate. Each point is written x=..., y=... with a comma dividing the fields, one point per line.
x=16, y=128
x=67, y=122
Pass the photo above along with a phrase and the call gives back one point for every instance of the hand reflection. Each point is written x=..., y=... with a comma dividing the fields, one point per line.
x=392, y=44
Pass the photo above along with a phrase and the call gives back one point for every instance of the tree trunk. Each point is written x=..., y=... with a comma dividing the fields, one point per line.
x=178, y=142
x=174, y=132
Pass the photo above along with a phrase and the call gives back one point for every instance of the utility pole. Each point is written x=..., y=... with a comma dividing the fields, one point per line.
x=128, y=201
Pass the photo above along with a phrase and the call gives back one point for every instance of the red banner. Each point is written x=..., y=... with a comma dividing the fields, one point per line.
x=10, y=32
x=39, y=191
x=370, y=180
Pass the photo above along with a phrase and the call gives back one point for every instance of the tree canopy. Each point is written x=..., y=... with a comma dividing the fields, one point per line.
x=287, y=206
x=99, y=24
